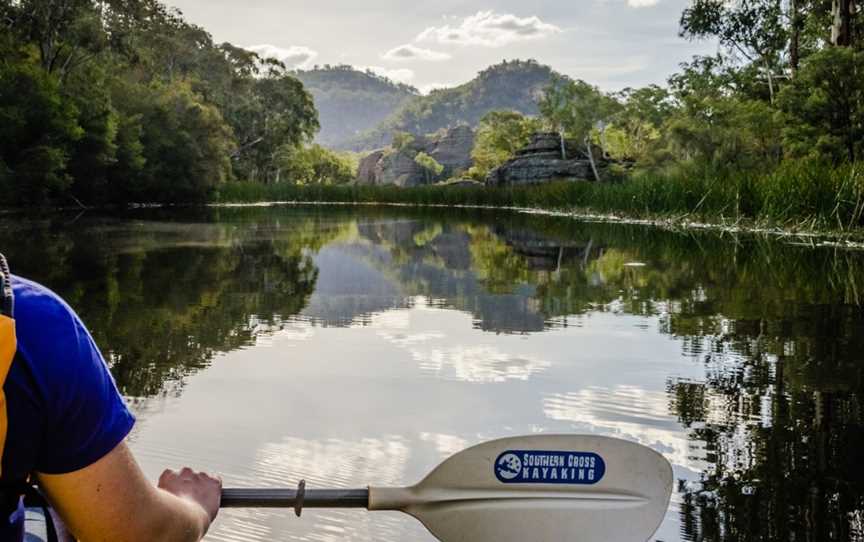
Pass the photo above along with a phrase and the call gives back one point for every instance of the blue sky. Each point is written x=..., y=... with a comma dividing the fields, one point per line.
x=610, y=43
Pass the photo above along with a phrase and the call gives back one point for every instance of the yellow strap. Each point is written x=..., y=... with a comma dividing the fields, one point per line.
x=8, y=347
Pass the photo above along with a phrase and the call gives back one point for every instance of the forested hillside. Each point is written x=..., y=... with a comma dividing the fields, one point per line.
x=351, y=102
x=121, y=101
x=514, y=85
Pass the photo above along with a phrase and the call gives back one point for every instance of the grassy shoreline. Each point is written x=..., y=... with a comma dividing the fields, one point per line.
x=803, y=199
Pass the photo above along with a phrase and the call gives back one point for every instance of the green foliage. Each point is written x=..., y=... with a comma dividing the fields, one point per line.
x=187, y=146
x=402, y=140
x=574, y=108
x=715, y=124
x=430, y=165
x=279, y=112
x=118, y=102
x=314, y=164
x=825, y=106
x=728, y=132
x=38, y=131
x=499, y=136
x=636, y=129
x=753, y=29
x=510, y=85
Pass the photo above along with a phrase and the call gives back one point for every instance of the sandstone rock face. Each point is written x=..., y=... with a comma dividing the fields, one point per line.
x=366, y=172
x=542, y=143
x=541, y=161
x=400, y=169
x=451, y=149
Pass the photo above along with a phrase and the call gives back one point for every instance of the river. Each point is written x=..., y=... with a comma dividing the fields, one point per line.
x=352, y=346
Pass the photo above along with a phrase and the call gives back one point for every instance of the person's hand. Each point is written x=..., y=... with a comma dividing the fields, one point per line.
x=198, y=487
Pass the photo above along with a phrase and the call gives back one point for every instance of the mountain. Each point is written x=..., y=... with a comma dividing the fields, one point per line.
x=512, y=85
x=351, y=102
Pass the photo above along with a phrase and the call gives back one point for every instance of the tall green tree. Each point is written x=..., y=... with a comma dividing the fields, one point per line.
x=718, y=123
x=280, y=112
x=752, y=29
x=636, y=129
x=824, y=106
x=313, y=165
x=842, y=27
x=38, y=132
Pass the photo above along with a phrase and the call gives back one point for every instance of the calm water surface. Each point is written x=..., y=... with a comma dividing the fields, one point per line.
x=350, y=347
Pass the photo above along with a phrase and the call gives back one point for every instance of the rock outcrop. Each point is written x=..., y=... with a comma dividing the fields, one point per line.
x=367, y=172
x=400, y=169
x=451, y=148
x=542, y=161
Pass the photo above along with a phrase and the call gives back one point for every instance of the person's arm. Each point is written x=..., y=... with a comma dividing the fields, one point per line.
x=111, y=500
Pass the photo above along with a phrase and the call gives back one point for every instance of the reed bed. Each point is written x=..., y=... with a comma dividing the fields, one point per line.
x=797, y=195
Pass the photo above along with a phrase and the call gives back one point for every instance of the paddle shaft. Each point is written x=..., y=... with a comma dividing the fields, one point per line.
x=288, y=498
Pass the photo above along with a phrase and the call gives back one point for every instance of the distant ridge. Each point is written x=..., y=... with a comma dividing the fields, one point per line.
x=351, y=102
x=513, y=85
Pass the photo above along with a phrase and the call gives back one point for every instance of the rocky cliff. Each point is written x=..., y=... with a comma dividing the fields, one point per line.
x=450, y=148
x=542, y=161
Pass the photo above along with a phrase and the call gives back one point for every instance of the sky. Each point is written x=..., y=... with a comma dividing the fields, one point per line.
x=610, y=43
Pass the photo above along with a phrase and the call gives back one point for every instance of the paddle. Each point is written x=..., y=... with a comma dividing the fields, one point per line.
x=538, y=488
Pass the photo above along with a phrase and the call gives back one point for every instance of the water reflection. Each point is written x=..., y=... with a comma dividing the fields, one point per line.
x=353, y=347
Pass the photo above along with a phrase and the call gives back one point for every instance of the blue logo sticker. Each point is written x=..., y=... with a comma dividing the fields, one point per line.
x=539, y=467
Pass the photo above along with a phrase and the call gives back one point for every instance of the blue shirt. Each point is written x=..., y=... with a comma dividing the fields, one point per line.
x=63, y=407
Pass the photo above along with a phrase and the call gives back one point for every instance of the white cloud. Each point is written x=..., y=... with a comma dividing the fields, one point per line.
x=429, y=87
x=296, y=56
x=490, y=29
x=411, y=52
x=642, y=3
x=400, y=75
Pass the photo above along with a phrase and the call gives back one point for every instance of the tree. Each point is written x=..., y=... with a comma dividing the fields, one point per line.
x=796, y=24
x=752, y=29
x=574, y=109
x=635, y=132
x=499, y=135
x=38, y=130
x=123, y=100
x=66, y=33
x=841, y=28
x=555, y=107
x=402, y=140
x=183, y=141
x=430, y=166
x=279, y=112
x=313, y=164
x=718, y=124
x=824, y=105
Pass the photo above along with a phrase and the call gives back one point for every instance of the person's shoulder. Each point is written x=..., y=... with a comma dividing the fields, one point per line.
x=50, y=334
x=37, y=303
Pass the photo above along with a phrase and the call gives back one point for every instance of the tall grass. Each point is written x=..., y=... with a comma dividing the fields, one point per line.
x=799, y=194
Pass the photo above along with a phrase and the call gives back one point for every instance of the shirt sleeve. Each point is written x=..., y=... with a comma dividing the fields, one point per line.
x=86, y=417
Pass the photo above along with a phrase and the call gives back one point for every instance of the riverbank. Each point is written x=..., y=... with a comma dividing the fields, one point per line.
x=806, y=201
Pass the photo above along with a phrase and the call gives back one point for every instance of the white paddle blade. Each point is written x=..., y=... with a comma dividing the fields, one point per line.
x=540, y=488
